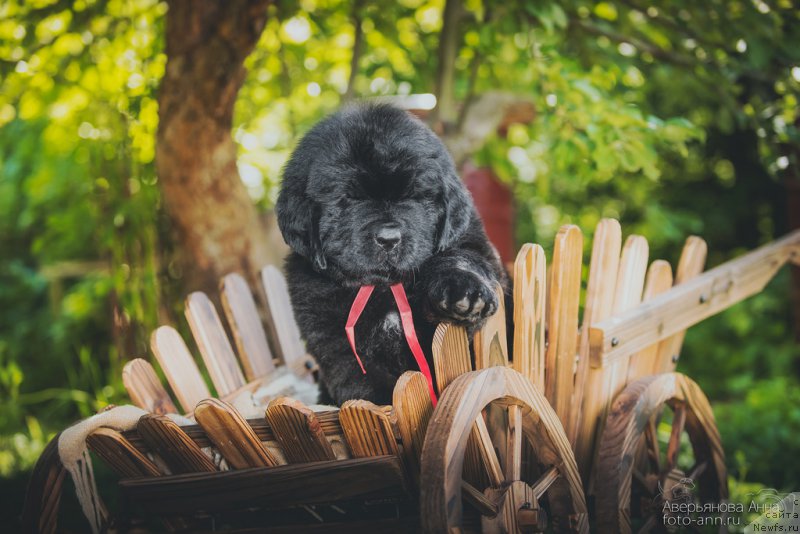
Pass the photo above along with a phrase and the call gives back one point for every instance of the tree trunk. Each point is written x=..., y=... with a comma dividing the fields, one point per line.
x=218, y=226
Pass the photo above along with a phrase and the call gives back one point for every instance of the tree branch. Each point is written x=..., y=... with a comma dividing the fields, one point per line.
x=358, y=49
x=642, y=45
x=445, y=112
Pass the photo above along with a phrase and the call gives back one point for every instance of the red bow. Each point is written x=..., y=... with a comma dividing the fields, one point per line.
x=407, y=321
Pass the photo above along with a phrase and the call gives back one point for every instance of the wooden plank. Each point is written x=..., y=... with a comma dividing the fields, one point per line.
x=281, y=324
x=328, y=420
x=232, y=436
x=451, y=357
x=600, y=289
x=368, y=429
x=628, y=293
x=659, y=280
x=491, y=341
x=179, y=367
x=245, y=322
x=630, y=288
x=692, y=301
x=283, y=486
x=298, y=431
x=179, y=452
x=529, y=313
x=565, y=292
x=145, y=389
x=413, y=409
x=690, y=265
x=213, y=343
x=125, y=459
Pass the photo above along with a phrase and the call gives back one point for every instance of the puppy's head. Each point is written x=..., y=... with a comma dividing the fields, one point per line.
x=369, y=194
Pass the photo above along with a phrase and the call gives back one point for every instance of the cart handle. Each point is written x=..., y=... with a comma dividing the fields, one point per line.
x=689, y=303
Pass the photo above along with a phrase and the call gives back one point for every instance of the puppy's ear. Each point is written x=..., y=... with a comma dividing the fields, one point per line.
x=458, y=211
x=298, y=217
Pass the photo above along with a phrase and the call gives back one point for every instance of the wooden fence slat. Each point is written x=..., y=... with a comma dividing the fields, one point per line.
x=165, y=437
x=145, y=389
x=232, y=436
x=213, y=343
x=628, y=293
x=125, y=459
x=659, y=280
x=298, y=431
x=413, y=409
x=451, y=357
x=600, y=288
x=565, y=292
x=368, y=429
x=281, y=324
x=491, y=341
x=179, y=367
x=690, y=265
x=245, y=322
x=630, y=287
x=530, y=278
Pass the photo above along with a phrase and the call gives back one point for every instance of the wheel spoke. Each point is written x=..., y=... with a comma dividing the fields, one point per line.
x=674, y=445
x=513, y=467
x=653, y=451
x=487, y=452
x=541, y=486
x=478, y=500
x=697, y=470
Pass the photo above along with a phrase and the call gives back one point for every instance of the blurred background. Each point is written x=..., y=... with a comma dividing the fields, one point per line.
x=141, y=144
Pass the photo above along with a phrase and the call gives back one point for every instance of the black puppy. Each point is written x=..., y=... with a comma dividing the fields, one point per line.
x=370, y=196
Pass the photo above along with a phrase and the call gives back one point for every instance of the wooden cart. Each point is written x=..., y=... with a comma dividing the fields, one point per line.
x=512, y=446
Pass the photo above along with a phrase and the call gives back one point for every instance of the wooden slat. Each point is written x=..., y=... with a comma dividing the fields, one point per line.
x=413, y=409
x=179, y=367
x=328, y=420
x=659, y=280
x=232, y=436
x=690, y=265
x=491, y=341
x=692, y=301
x=565, y=292
x=288, y=485
x=628, y=293
x=451, y=359
x=368, y=429
x=125, y=459
x=298, y=431
x=281, y=324
x=599, y=302
x=213, y=343
x=248, y=332
x=630, y=288
x=529, y=313
x=145, y=389
x=451, y=356
x=179, y=452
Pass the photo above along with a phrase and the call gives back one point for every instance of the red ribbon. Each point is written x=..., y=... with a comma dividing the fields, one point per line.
x=407, y=320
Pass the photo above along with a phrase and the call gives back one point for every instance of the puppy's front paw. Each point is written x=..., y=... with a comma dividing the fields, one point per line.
x=462, y=297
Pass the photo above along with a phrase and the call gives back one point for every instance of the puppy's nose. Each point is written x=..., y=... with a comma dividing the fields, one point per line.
x=388, y=237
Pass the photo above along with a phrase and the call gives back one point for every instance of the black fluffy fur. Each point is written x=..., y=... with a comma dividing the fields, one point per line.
x=357, y=172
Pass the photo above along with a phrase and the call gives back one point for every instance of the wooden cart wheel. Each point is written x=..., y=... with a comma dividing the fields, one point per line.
x=638, y=473
x=530, y=492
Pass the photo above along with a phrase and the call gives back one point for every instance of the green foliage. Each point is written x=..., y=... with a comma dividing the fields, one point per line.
x=676, y=118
